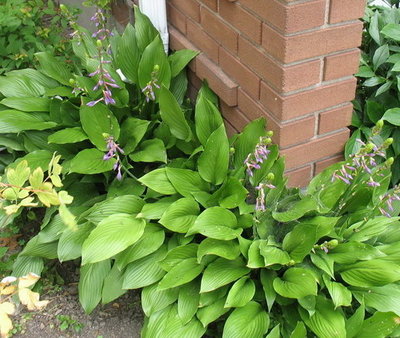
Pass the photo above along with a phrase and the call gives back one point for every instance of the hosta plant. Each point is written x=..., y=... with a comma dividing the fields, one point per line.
x=203, y=226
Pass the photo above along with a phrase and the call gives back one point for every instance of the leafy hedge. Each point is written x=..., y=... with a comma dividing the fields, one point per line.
x=203, y=224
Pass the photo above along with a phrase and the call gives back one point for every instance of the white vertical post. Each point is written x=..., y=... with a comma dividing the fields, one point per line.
x=157, y=12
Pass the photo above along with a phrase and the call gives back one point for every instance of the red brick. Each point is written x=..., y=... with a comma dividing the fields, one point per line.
x=321, y=165
x=283, y=79
x=202, y=40
x=341, y=65
x=315, y=150
x=299, y=177
x=249, y=81
x=178, y=41
x=308, y=45
x=235, y=117
x=212, y=4
x=289, y=18
x=189, y=7
x=221, y=32
x=306, y=102
x=335, y=119
x=285, y=134
x=219, y=82
x=176, y=18
x=345, y=10
x=240, y=18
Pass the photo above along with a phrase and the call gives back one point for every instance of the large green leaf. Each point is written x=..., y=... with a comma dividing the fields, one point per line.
x=273, y=255
x=154, y=299
x=207, y=117
x=226, y=249
x=380, y=325
x=157, y=180
x=214, y=161
x=354, y=323
x=98, y=121
x=24, y=265
x=217, y=223
x=144, y=30
x=267, y=278
x=91, y=284
x=248, y=321
x=151, y=240
x=351, y=252
x=156, y=210
x=180, y=215
x=179, y=60
x=297, y=210
x=132, y=132
x=392, y=31
x=212, y=312
x=70, y=243
x=326, y=321
x=340, y=295
x=241, y=293
x=150, y=151
x=68, y=135
x=177, y=255
x=296, y=283
x=145, y=271
x=188, y=301
x=186, y=181
x=90, y=161
x=222, y=272
x=112, y=287
x=371, y=273
x=36, y=248
x=173, y=116
x=364, y=230
x=27, y=104
x=54, y=68
x=116, y=233
x=184, y=272
x=14, y=121
x=300, y=241
x=392, y=116
x=383, y=299
x=231, y=194
x=127, y=57
x=20, y=86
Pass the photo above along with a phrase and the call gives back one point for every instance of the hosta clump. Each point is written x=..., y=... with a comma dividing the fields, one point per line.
x=180, y=222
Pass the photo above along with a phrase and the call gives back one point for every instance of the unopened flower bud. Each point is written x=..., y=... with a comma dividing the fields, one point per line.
x=270, y=177
x=71, y=82
x=270, y=133
x=156, y=68
x=369, y=147
x=389, y=161
x=99, y=43
x=332, y=244
x=105, y=135
x=63, y=8
x=291, y=262
x=379, y=124
x=267, y=140
x=388, y=142
x=231, y=150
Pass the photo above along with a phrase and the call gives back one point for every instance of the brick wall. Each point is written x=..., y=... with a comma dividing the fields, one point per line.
x=290, y=61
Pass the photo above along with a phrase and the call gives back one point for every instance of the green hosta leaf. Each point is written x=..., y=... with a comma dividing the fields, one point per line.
x=267, y=278
x=212, y=312
x=184, y=272
x=154, y=299
x=188, y=301
x=248, y=321
x=90, y=161
x=144, y=30
x=207, y=117
x=241, y=293
x=54, y=68
x=173, y=116
x=145, y=271
x=24, y=265
x=116, y=233
x=226, y=249
x=151, y=240
x=150, y=151
x=308, y=303
x=352, y=146
x=70, y=243
x=391, y=31
x=354, y=323
x=380, y=325
x=156, y=210
x=380, y=56
x=91, y=284
x=179, y=254
x=14, y=121
x=363, y=231
x=392, y=116
x=323, y=262
x=27, y=104
x=186, y=181
x=222, y=272
x=132, y=132
x=256, y=260
x=20, y=86
x=231, y=194
x=127, y=204
x=68, y=135
x=179, y=60
x=326, y=322
x=157, y=180
x=97, y=121
x=36, y=248
x=383, y=299
x=217, y=223
x=247, y=140
x=300, y=331
x=296, y=283
x=180, y=215
x=365, y=71
x=300, y=241
x=340, y=295
x=296, y=211
x=351, y=252
x=112, y=287
x=371, y=273
x=273, y=255
x=213, y=162
x=127, y=57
